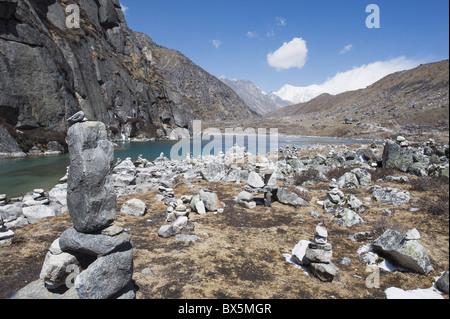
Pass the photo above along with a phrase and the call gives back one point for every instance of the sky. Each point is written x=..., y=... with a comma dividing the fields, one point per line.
x=274, y=43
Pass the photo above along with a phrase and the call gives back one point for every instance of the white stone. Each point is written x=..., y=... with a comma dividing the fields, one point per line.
x=413, y=234
x=200, y=207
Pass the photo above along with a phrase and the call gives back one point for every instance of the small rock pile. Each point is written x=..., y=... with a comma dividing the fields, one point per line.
x=3, y=199
x=317, y=256
x=343, y=207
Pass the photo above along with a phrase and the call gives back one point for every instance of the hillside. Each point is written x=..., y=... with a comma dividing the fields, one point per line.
x=49, y=71
x=255, y=98
x=412, y=103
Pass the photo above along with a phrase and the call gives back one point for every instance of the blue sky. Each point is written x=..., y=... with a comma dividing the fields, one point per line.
x=234, y=38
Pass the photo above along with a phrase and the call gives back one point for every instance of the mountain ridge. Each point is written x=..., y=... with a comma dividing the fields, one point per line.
x=413, y=102
x=259, y=101
x=48, y=72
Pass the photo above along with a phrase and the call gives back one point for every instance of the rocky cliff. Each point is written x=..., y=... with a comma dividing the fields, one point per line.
x=51, y=68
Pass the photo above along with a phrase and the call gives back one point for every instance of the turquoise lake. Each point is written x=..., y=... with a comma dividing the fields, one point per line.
x=18, y=176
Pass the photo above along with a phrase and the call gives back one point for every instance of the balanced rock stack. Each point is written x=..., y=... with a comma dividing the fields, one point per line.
x=99, y=253
x=319, y=254
x=258, y=184
x=3, y=200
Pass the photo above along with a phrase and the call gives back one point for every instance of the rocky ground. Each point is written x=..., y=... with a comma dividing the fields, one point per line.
x=245, y=251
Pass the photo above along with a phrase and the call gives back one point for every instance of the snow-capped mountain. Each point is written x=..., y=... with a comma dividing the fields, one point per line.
x=297, y=95
x=258, y=100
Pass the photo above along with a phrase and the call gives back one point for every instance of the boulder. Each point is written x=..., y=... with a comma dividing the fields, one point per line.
x=211, y=201
x=391, y=196
x=299, y=252
x=36, y=213
x=325, y=272
x=107, y=276
x=134, y=207
x=348, y=180
x=442, y=283
x=288, y=197
x=90, y=194
x=55, y=269
x=408, y=254
x=214, y=172
x=347, y=217
x=255, y=180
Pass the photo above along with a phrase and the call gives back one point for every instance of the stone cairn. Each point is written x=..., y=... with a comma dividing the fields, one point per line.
x=93, y=257
x=260, y=181
x=319, y=254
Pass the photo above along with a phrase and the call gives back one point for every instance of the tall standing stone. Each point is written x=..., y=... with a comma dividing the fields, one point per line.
x=90, y=195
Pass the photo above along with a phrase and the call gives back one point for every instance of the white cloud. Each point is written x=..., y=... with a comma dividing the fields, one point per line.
x=346, y=49
x=124, y=8
x=291, y=55
x=281, y=21
x=271, y=33
x=251, y=34
x=216, y=43
x=354, y=79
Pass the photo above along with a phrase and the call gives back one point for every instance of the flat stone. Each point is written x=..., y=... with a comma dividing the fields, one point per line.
x=90, y=244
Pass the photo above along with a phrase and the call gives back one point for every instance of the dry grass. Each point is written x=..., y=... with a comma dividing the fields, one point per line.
x=240, y=254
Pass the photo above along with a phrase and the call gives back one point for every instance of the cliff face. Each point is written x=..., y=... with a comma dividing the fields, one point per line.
x=49, y=71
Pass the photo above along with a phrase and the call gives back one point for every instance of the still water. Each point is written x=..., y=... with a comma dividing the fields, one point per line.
x=18, y=176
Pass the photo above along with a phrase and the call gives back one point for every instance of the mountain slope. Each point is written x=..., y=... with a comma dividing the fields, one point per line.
x=49, y=71
x=411, y=102
x=254, y=97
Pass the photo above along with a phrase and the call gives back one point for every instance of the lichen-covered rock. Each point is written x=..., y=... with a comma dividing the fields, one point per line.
x=392, y=196
x=408, y=254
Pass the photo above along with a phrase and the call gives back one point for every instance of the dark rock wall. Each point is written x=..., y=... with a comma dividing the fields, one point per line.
x=49, y=71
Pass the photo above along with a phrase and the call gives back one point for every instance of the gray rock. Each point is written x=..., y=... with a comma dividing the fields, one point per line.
x=200, y=208
x=288, y=197
x=392, y=196
x=442, y=283
x=347, y=217
x=77, y=118
x=211, y=201
x=37, y=213
x=408, y=254
x=10, y=212
x=319, y=253
x=38, y=291
x=348, y=180
x=90, y=195
x=245, y=196
x=363, y=176
x=134, y=207
x=91, y=244
x=107, y=276
x=254, y=180
x=214, y=172
x=325, y=272
x=188, y=238
x=166, y=231
x=299, y=252
x=55, y=269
